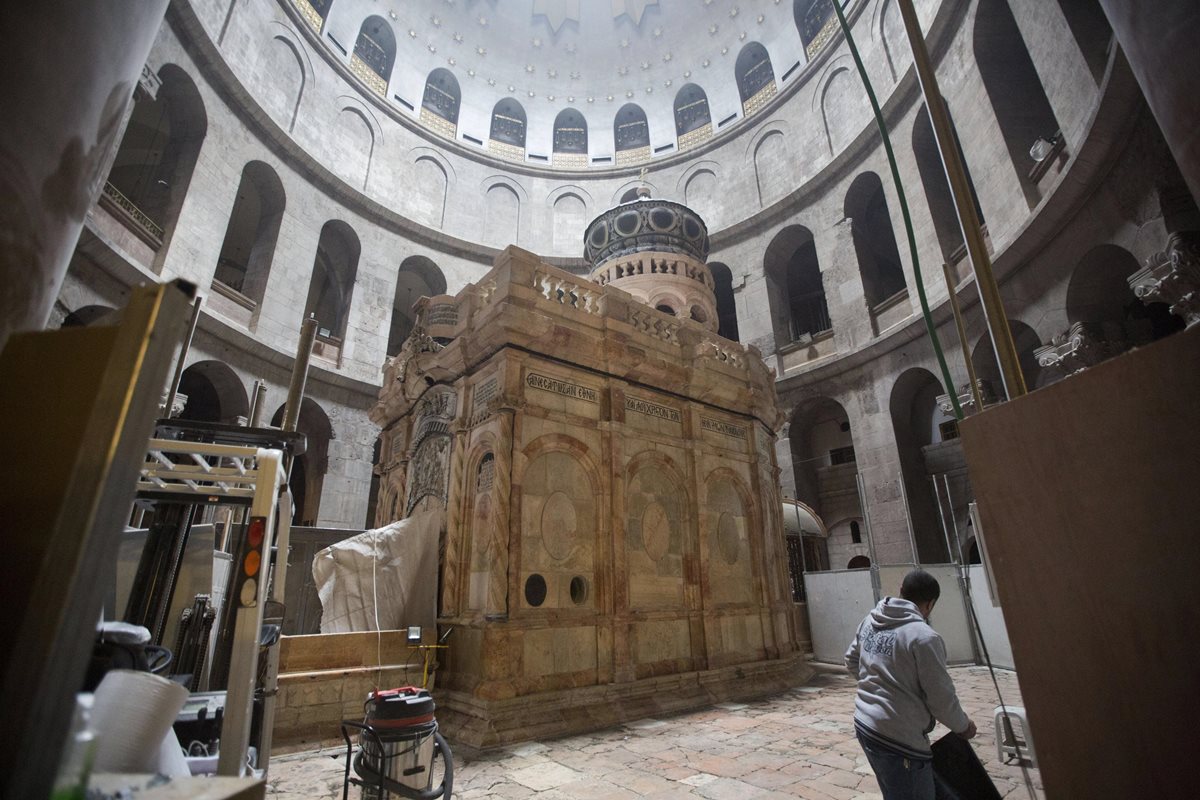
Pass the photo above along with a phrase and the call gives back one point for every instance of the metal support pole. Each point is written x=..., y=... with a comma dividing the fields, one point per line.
x=183, y=351
x=976, y=395
x=291, y=411
x=912, y=536
x=964, y=579
x=862, y=497
x=257, y=402
x=968, y=220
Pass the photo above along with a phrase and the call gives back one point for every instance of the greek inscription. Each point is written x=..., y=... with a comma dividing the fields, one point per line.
x=535, y=381
x=717, y=426
x=651, y=409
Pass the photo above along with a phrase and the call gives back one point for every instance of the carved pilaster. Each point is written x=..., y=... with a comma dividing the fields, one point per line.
x=497, y=587
x=1172, y=276
x=455, y=530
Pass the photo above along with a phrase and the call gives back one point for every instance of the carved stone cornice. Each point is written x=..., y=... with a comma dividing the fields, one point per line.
x=966, y=399
x=1082, y=345
x=1172, y=276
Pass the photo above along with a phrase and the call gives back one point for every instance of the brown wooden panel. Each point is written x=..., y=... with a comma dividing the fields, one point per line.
x=1088, y=497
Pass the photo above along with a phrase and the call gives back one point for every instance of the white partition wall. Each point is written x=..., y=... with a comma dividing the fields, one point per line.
x=837, y=602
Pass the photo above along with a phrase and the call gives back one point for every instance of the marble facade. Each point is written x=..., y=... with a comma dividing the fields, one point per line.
x=613, y=544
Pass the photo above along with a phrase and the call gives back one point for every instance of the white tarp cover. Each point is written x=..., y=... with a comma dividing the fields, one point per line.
x=396, y=566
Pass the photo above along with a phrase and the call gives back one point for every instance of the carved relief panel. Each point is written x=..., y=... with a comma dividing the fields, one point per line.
x=655, y=525
x=429, y=466
x=483, y=538
x=729, y=566
x=558, y=533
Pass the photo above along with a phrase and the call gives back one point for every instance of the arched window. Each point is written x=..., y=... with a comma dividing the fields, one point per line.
x=855, y=532
x=819, y=439
x=858, y=562
x=332, y=284
x=795, y=292
x=439, y=105
x=1091, y=31
x=508, y=129
x=418, y=277
x=153, y=166
x=755, y=77
x=570, y=132
x=816, y=22
x=374, y=54
x=307, y=476
x=692, y=115
x=1026, y=120
x=214, y=393
x=875, y=245
x=727, y=322
x=249, y=245
x=570, y=139
x=937, y=189
x=630, y=129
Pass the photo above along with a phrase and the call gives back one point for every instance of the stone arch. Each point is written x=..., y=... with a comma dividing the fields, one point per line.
x=700, y=191
x=1015, y=90
x=357, y=148
x=86, y=315
x=569, y=217
x=442, y=95
x=215, y=393
x=1091, y=31
x=483, y=587
x=937, y=189
x=374, y=53
x=821, y=447
x=627, y=192
x=307, y=478
x=431, y=176
x=668, y=302
x=1026, y=341
x=156, y=158
x=772, y=168
x=417, y=277
x=838, y=119
x=284, y=76
x=893, y=37
x=560, y=518
x=727, y=321
x=874, y=237
x=1098, y=291
x=630, y=128
x=916, y=424
x=331, y=287
x=728, y=550
x=502, y=214
x=795, y=287
x=658, y=531
x=248, y=249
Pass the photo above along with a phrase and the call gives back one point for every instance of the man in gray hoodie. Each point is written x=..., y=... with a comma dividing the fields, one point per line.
x=903, y=687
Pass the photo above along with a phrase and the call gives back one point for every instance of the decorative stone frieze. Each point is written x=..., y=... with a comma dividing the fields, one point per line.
x=966, y=399
x=1172, y=276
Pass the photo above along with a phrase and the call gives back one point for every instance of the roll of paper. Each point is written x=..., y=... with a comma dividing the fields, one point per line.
x=132, y=714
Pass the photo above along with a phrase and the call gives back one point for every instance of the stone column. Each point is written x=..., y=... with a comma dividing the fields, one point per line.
x=1159, y=41
x=69, y=70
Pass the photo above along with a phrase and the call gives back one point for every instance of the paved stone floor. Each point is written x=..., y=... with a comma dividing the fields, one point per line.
x=797, y=744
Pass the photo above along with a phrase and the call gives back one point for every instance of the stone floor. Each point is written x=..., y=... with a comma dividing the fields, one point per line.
x=797, y=744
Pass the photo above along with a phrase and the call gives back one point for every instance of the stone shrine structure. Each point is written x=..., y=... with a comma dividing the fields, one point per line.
x=613, y=546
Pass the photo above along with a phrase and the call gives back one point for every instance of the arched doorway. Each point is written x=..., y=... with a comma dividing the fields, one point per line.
x=307, y=478
x=214, y=393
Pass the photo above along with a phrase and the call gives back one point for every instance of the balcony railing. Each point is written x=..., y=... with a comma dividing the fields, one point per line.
x=123, y=207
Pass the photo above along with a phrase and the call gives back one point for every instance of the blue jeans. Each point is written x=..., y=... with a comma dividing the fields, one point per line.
x=902, y=778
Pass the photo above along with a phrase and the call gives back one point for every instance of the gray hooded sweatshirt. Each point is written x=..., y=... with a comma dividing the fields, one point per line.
x=900, y=664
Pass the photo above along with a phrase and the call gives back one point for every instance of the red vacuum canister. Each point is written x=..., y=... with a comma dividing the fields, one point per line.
x=400, y=746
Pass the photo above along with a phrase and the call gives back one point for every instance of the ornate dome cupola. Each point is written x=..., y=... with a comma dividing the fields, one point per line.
x=655, y=250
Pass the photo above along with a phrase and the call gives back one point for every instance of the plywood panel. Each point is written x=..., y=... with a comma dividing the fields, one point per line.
x=1087, y=494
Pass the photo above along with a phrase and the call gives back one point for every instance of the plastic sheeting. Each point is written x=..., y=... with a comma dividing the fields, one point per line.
x=392, y=569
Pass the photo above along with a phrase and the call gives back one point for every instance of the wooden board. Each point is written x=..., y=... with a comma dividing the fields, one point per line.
x=1088, y=492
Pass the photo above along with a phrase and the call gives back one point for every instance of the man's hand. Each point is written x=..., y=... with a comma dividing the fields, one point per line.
x=970, y=732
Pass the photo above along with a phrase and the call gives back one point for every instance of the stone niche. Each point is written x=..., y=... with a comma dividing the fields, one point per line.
x=613, y=545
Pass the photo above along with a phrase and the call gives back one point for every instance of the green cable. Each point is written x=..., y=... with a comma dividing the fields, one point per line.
x=912, y=239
